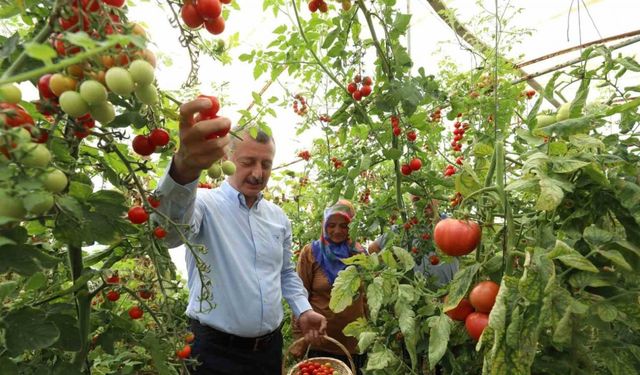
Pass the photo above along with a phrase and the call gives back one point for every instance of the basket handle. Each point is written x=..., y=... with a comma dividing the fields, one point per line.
x=338, y=344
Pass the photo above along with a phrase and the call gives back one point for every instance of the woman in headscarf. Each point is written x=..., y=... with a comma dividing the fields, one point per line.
x=318, y=266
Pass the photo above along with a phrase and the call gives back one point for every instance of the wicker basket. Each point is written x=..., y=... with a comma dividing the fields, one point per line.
x=340, y=367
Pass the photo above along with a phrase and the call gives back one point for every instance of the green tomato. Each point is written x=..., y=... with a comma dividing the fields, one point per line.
x=10, y=93
x=72, y=104
x=11, y=207
x=564, y=112
x=39, y=204
x=147, y=94
x=93, y=92
x=36, y=155
x=228, y=167
x=119, y=81
x=544, y=120
x=215, y=170
x=103, y=112
x=55, y=181
x=141, y=72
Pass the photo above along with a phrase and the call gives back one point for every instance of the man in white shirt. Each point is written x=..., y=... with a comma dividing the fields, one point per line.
x=248, y=241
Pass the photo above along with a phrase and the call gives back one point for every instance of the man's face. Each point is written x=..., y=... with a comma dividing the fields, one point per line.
x=253, y=162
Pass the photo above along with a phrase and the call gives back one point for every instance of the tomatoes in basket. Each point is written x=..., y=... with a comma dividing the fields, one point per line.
x=309, y=367
x=457, y=237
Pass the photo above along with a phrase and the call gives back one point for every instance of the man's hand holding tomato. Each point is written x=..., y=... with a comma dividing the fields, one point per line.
x=196, y=152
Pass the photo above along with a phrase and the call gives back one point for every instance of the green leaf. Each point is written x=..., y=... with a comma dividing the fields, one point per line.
x=617, y=258
x=623, y=107
x=344, y=289
x=558, y=148
x=607, y=312
x=438, y=338
x=562, y=333
x=405, y=259
x=388, y=259
x=375, y=296
x=127, y=119
x=522, y=184
x=7, y=366
x=158, y=357
x=577, y=261
x=392, y=153
x=7, y=289
x=459, y=286
x=69, y=332
x=380, y=358
x=596, y=236
x=482, y=149
x=36, y=281
x=349, y=191
x=28, y=329
x=578, y=102
x=567, y=127
x=42, y=52
x=569, y=256
x=37, y=199
x=24, y=259
x=466, y=183
x=563, y=165
x=629, y=63
x=550, y=195
x=365, y=340
x=596, y=174
x=71, y=206
x=331, y=37
x=401, y=22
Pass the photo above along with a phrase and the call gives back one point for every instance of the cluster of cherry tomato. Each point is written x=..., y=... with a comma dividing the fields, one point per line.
x=302, y=110
x=146, y=144
x=365, y=196
x=395, y=126
x=204, y=12
x=337, y=163
x=414, y=165
x=360, y=87
x=305, y=154
x=313, y=368
x=436, y=115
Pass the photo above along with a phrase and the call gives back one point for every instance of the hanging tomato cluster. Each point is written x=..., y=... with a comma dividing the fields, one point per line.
x=360, y=87
x=302, y=110
x=204, y=12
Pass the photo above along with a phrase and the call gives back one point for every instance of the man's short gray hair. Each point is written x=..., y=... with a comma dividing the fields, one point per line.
x=261, y=137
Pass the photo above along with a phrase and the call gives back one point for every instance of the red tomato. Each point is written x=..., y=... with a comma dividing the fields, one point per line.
x=135, y=312
x=43, y=87
x=367, y=81
x=457, y=237
x=113, y=296
x=190, y=16
x=212, y=112
x=189, y=337
x=145, y=293
x=483, y=296
x=184, y=353
x=209, y=9
x=365, y=91
x=159, y=137
x=142, y=146
x=159, y=232
x=114, y=3
x=415, y=164
x=475, y=324
x=113, y=279
x=153, y=202
x=461, y=311
x=137, y=215
x=352, y=87
x=405, y=169
x=215, y=26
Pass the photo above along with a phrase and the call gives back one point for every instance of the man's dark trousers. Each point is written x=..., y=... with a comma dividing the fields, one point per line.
x=220, y=353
